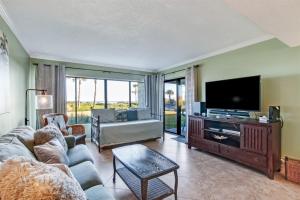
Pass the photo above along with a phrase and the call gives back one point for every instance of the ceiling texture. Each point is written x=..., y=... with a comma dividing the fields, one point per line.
x=148, y=35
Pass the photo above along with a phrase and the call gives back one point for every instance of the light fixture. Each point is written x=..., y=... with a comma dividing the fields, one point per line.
x=42, y=102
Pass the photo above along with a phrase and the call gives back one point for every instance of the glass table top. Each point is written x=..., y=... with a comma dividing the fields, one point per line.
x=143, y=161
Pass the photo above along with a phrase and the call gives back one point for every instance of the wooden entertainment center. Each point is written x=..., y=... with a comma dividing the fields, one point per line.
x=246, y=141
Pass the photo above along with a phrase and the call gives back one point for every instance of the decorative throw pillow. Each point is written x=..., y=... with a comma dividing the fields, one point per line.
x=57, y=120
x=106, y=115
x=51, y=152
x=47, y=133
x=121, y=115
x=26, y=136
x=27, y=179
x=132, y=115
x=144, y=114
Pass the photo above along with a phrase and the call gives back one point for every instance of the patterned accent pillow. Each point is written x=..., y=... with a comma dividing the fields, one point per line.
x=51, y=152
x=47, y=133
x=106, y=115
x=28, y=179
x=121, y=115
x=58, y=120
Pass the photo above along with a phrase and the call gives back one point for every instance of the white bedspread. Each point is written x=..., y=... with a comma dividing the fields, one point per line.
x=130, y=131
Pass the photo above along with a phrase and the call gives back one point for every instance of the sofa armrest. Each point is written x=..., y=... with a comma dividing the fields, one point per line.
x=71, y=141
x=77, y=129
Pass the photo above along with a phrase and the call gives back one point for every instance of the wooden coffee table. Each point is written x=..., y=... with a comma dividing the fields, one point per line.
x=140, y=168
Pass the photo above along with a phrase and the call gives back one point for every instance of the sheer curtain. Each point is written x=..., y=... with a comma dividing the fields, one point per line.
x=154, y=90
x=53, y=79
x=60, y=89
x=191, y=95
x=31, y=97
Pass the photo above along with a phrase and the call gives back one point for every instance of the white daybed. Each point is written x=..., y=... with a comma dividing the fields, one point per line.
x=110, y=132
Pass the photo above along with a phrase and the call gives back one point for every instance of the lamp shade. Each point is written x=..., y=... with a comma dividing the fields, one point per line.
x=43, y=102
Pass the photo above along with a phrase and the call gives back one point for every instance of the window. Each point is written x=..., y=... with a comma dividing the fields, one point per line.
x=71, y=109
x=136, y=94
x=118, y=94
x=87, y=90
x=83, y=94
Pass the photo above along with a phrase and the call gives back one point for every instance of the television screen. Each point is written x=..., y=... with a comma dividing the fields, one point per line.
x=234, y=94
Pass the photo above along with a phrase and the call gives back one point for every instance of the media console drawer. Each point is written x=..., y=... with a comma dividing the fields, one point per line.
x=249, y=158
x=209, y=146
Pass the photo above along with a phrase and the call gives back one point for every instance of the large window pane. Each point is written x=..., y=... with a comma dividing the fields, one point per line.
x=90, y=94
x=99, y=101
x=84, y=94
x=118, y=94
x=70, y=85
x=137, y=94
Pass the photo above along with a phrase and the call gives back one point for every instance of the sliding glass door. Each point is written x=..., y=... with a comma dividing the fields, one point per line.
x=174, y=110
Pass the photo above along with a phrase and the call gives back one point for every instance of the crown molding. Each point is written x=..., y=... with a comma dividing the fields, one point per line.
x=78, y=61
x=10, y=24
x=221, y=51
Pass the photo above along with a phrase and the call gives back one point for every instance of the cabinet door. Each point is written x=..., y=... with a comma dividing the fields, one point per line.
x=195, y=127
x=254, y=138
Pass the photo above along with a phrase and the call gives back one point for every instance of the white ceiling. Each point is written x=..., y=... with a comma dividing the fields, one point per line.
x=138, y=34
x=281, y=18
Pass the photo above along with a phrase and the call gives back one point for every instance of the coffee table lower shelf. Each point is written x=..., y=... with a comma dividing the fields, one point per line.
x=157, y=189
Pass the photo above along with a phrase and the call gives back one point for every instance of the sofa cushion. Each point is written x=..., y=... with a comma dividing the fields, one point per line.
x=86, y=174
x=144, y=114
x=27, y=138
x=132, y=115
x=36, y=180
x=14, y=148
x=98, y=192
x=7, y=138
x=47, y=133
x=51, y=152
x=79, y=154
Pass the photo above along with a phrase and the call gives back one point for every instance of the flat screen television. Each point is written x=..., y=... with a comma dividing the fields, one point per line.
x=234, y=94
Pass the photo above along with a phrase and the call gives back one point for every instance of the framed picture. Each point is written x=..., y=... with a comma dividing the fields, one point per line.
x=4, y=74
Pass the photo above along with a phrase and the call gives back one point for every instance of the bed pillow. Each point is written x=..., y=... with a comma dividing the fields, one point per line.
x=47, y=133
x=51, y=152
x=28, y=179
x=106, y=115
x=132, y=115
x=143, y=114
x=121, y=115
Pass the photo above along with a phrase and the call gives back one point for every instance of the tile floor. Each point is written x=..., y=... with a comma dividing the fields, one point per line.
x=202, y=176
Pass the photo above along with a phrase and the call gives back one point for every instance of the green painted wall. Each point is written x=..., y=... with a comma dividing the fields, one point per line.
x=279, y=66
x=19, y=67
